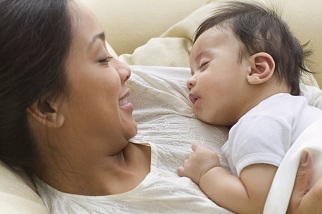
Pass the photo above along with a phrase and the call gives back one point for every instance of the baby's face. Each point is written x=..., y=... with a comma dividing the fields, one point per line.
x=218, y=84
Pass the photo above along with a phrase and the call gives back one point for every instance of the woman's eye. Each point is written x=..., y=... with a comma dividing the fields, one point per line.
x=106, y=60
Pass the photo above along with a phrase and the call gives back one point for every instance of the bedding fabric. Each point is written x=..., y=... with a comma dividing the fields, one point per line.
x=17, y=193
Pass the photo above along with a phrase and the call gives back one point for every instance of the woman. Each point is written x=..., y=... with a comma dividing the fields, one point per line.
x=66, y=121
x=74, y=121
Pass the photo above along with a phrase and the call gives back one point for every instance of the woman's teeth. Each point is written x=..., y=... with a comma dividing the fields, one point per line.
x=123, y=101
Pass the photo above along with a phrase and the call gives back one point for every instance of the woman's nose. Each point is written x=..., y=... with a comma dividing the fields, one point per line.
x=123, y=70
x=191, y=82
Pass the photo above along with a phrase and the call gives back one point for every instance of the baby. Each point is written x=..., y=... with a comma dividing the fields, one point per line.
x=246, y=67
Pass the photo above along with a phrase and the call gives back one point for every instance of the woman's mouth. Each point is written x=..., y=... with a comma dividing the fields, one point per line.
x=123, y=101
x=124, y=104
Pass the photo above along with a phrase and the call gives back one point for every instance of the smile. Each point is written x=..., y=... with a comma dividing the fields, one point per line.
x=123, y=101
x=124, y=104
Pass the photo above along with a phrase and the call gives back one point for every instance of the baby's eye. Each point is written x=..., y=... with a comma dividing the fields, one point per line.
x=106, y=60
x=202, y=65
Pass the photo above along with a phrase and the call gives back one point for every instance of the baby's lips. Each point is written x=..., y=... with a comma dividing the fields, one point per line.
x=193, y=98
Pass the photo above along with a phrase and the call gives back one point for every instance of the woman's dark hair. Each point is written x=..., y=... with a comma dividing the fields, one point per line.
x=261, y=29
x=35, y=38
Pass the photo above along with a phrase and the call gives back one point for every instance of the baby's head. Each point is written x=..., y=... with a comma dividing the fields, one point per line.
x=260, y=29
x=243, y=47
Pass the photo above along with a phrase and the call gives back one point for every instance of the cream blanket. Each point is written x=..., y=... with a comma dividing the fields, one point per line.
x=281, y=189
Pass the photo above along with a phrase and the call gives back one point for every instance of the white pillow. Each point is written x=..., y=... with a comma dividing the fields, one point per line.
x=17, y=194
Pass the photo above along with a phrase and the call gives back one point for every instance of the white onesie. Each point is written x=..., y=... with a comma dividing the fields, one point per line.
x=266, y=132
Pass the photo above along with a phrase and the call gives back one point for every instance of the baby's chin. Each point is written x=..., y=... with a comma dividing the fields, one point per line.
x=214, y=120
x=205, y=119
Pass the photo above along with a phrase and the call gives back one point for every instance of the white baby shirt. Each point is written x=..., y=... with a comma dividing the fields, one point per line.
x=266, y=132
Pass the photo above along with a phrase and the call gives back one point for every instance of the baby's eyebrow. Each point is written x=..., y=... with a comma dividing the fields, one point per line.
x=204, y=52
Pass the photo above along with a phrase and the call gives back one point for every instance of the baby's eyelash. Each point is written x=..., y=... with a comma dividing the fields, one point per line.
x=203, y=64
x=106, y=60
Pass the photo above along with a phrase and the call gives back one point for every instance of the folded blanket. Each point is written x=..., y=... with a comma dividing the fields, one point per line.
x=282, y=186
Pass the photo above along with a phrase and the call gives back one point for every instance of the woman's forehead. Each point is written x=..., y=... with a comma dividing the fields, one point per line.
x=85, y=25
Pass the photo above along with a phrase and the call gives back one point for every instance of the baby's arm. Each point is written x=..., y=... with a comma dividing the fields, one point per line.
x=200, y=161
x=244, y=194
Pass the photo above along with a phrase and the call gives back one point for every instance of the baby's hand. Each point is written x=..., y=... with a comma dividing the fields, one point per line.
x=199, y=162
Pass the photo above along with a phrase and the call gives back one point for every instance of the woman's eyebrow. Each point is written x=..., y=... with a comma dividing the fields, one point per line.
x=100, y=36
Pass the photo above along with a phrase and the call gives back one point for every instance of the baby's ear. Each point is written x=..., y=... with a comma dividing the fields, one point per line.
x=47, y=113
x=262, y=68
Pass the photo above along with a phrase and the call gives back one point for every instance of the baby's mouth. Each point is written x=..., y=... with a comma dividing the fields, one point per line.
x=193, y=98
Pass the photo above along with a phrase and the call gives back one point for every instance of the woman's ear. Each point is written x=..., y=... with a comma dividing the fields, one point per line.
x=46, y=113
x=262, y=68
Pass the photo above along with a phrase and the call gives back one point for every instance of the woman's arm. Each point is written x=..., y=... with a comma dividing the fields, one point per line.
x=303, y=199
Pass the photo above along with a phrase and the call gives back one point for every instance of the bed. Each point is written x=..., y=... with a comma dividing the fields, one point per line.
x=155, y=42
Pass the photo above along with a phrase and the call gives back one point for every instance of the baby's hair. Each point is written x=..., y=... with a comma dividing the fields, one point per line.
x=261, y=29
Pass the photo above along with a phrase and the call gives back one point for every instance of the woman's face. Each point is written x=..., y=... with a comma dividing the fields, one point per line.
x=97, y=106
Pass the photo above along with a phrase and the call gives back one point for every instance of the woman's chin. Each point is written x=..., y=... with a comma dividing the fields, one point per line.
x=132, y=130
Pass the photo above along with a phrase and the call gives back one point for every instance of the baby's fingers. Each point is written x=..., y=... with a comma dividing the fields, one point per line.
x=180, y=171
x=196, y=146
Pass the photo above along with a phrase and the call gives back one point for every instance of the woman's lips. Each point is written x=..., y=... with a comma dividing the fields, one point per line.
x=128, y=107
x=124, y=104
x=193, y=98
